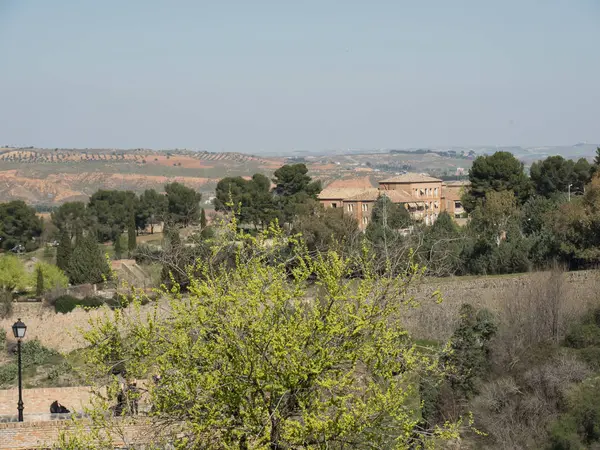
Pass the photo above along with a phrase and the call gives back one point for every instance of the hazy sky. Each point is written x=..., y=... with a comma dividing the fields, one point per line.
x=240, y=75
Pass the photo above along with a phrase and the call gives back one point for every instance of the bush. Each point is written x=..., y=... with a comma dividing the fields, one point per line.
x=2, y=341
x=8, y=374
x=33, y=353
x=67, y=303
x=582, y=336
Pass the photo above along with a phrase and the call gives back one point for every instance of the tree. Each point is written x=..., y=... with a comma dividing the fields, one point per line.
x=112, y=210
x=498, y=172
x=270, y=361
x=118, y=246
x=131, y=234
x=386, y=219
x=151, y=209
x=202, y=219
x=439, y=246
x=19, y=225
x=87, y=264
x=64, y=250
x=52, y=277
x=12, y=274
x=39, y=285
x=251, y=200
x=183, y=204
x=293, y=187
x=73, y=217
x=324, y=228
x=552, y=175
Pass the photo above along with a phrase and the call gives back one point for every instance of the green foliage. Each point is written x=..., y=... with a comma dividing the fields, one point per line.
x=118, y=246
x=251, y=200
x=12, y=274
x=324, y=228
x=131, y=234
x=64, y=251
x=33, y=353
x=583, y=335
x=555, y=174
x=183, y=204
x=151, y=209
x=51, y=277
x=39, y=282
x=386, y=219
x=468, y=359
x=277, y=358
x=579, y=426
x=293, y=188
x=8, y=375
x=72, y=218
x=88, y=264
x=67, y=303
x=441, y=247
x=112, y=211
x=499, y=172
x=202, y=219
x=19, y=225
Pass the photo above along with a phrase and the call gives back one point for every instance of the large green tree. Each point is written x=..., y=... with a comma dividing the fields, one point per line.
x=293, y=187
x=256, y=357
x=251, y=200
x=183, y=204
x=19, y=225
x=12, y=274
x=556, y=174
x=87, y=264
x=498, y=172
x=74, y=217
x=151, y=210
x=64, y=250
x=112, y=210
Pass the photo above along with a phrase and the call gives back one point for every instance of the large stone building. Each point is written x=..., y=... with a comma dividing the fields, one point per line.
x=423, y=196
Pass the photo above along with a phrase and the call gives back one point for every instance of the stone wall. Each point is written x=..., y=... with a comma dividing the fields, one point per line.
x=43, y=434
x=37, y=401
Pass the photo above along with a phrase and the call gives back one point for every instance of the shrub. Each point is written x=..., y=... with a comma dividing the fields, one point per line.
x=33, y=353
x=8, y=374
x=2, y=340
x=583, y=335
x=51, y=277
x=67, y=303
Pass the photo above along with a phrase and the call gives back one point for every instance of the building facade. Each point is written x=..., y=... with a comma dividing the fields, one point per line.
x=423, y=196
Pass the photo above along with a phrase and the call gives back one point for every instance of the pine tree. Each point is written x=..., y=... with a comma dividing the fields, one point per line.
x=131, y=243
x=202, y=219
x=64, y=251
x=39, y=288
x=87, y=264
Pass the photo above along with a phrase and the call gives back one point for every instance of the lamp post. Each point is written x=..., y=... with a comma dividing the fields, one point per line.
x=19, y=329
x=570, y=192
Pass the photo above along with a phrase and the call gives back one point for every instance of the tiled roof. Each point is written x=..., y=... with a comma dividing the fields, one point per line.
x=339, y=193
x=398, y=196
x=352, y=183
x=452, y=194
x=366, y=195
x=411, y=178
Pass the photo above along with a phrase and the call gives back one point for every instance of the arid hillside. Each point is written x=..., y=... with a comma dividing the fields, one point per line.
x=54, y=176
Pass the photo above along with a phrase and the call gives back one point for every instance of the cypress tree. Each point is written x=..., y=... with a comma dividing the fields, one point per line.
x=131, y=242
x=87, y=264
x=117, y=246
x=64, y=251
x=202, y=219
x=39, y=287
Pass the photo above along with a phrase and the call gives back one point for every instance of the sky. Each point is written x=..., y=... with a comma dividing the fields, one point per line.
x=278, y=75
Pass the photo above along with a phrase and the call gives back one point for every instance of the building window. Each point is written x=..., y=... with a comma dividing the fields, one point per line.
x=457, y=205
x=365, y=207
x=334, y=205
x=435, y=192
x=350, y=207
x=365, y=220
x=436, y=205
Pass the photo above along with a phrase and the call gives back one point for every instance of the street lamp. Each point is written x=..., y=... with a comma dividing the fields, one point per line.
x=19, y=329
x=570, y=192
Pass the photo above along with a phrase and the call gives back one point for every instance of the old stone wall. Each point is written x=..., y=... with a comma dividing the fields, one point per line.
x=37, y=401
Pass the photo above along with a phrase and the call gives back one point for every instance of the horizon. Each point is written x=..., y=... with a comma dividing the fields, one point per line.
x=316, y=77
